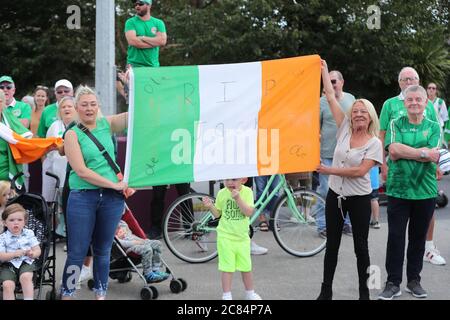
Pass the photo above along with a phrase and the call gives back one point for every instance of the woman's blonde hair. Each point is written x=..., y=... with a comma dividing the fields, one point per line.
x=6, y=186
x=86, y=90
x=374, y=125
x=61, y=102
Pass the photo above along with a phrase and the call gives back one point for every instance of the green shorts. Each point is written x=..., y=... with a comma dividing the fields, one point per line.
x=9, y=272
x=234, y=255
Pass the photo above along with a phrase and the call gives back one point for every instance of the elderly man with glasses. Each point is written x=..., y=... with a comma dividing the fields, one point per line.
x=144, y=34
x=19, y=109
x=394, y=108
x=63, y=88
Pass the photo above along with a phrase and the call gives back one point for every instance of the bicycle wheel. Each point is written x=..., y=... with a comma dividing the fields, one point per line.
x=295, y=232
x=190, y=229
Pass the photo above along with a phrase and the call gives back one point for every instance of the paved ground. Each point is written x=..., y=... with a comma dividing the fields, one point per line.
x=279, y=276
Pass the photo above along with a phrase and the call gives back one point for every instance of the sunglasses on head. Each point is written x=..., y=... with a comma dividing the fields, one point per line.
x=7, y=87
x=41, y=88
x=333, y=81
x=63, y=91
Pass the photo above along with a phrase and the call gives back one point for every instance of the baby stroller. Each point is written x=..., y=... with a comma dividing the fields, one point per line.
x=40, y=220
x=122, y=264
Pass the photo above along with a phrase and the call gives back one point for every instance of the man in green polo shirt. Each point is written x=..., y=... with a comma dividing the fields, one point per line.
x=145, y=34
x=19, y=109
x=63, y=88
x=394, y=108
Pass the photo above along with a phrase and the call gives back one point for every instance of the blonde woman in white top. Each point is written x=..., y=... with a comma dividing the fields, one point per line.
x=358, y=149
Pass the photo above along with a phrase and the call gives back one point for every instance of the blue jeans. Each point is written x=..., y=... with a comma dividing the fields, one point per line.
x=261, y=183
x=323, y=191
x=92, y=218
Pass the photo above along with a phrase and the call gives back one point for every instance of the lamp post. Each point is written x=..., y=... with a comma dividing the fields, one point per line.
x=105, y=68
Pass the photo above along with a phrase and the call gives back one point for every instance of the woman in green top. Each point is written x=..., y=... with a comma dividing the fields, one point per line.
x=412, y=141
x=96, y=201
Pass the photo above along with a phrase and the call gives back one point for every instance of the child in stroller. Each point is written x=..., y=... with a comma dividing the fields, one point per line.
x=125, y=261
x=19, y=248
x=149, y=250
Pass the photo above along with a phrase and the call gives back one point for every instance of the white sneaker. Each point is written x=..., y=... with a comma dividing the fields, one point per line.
x=228, y=297
x=257, y=250
x=85, y=274
x=433, y=256
x=253, y=296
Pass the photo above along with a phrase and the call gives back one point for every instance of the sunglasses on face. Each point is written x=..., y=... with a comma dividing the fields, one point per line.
x=63, y=91
x=140, y=4
x=7, y=87
x=333, y=81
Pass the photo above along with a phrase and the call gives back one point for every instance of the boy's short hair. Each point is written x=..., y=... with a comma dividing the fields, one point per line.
x=13, y=208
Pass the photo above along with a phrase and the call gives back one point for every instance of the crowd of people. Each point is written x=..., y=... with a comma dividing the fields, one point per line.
x=357, y=147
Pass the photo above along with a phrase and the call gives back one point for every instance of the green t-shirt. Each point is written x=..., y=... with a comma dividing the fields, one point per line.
x=233, y=224
x=144, y=57
x=395, y=107
x=93, y=159
x=410, y=179
x=47, y=118
x=20, y=110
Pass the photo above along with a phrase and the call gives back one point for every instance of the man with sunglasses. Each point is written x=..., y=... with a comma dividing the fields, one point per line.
x=19, y=109
x=63, y=88
x=328, y=130
x=144, y=34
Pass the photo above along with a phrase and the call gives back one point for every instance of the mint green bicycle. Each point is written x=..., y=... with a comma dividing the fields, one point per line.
x=189, y=228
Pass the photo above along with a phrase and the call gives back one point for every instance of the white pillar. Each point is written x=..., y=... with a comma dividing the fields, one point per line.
x=105, y=68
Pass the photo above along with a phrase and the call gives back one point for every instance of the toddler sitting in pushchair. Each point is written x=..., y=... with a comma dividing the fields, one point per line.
x=149, y=250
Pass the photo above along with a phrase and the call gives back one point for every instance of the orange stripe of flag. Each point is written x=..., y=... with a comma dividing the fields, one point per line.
x=290, y=103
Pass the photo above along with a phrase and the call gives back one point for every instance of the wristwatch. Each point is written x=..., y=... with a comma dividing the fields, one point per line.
x=423, y=154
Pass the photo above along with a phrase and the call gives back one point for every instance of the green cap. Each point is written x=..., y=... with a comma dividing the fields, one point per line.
x=147, y=1
x=6, y=79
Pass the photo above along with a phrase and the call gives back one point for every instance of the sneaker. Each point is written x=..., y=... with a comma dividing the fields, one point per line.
x=416, y=289
x=85, y=274
x=323, y=234
x=347, y=230
x=375, y=225
x=253, y=296
x=389, y=292
x=433, y=256
x=257, y=250
x=227, y=297
x=156, y=276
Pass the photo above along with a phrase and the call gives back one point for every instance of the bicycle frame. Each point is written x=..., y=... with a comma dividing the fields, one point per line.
x=265, y=198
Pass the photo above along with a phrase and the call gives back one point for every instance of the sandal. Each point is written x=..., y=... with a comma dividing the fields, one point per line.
x=263, y=226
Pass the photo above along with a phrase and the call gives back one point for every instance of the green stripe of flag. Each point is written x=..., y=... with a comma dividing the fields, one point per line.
x=166, y=109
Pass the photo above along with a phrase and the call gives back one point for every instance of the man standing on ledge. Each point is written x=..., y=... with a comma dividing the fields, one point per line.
x=145, y=34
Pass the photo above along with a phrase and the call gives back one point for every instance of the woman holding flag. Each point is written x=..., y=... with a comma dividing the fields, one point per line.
x=96, y=200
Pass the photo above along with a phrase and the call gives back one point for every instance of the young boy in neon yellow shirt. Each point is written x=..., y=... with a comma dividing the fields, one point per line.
x=234, y=205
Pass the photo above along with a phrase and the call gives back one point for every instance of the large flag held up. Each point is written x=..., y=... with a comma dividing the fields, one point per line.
x=211, y=122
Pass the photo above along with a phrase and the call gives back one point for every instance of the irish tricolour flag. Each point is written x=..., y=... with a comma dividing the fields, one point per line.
x=211, y=122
